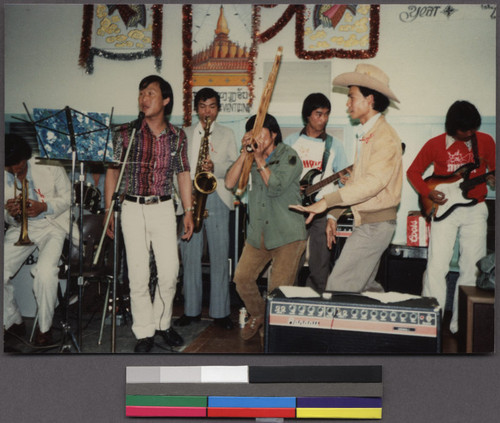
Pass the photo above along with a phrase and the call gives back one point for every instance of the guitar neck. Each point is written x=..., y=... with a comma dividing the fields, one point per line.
x=330, y=179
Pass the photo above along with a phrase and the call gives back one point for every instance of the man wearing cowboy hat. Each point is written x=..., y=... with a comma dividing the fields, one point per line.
x=373, y=191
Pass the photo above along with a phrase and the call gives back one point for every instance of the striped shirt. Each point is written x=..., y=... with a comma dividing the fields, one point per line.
x=153, y=160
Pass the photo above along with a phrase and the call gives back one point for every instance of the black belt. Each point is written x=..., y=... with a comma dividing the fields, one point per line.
x=153, y=199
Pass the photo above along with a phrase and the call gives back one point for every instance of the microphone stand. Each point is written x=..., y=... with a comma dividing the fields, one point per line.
x=66, y=328
x=115, y=206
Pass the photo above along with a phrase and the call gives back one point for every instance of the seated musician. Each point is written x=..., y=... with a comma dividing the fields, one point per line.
x=275, y=233
x=373, y=189
x=461, y=144
x=48, y=217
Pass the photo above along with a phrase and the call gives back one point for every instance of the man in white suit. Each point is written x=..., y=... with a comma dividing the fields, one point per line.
x=49, y=193
x=222, y=153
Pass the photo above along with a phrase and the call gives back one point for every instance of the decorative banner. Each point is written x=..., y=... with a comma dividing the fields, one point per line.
x=332, y=30
x=121, y=32
x=219, y=51
x=226, y=57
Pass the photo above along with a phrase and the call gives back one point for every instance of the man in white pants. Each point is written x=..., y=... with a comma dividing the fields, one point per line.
x=158, y=150
x=461, y=145
x=49, y=197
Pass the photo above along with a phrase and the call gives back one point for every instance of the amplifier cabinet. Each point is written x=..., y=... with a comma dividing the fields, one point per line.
x=351, y=323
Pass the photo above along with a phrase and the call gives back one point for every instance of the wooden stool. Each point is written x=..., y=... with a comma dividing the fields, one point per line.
x=476, y=320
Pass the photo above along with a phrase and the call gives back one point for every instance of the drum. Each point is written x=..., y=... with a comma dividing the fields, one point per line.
x=91, y=197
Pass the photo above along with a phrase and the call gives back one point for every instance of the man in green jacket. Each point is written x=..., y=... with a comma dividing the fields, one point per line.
x=275, y=233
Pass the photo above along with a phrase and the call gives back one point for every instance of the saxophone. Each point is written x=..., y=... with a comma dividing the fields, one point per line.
x=23, y=217
x=204, y=182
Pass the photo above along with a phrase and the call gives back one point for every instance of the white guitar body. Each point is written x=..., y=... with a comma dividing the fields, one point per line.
x=453, y=193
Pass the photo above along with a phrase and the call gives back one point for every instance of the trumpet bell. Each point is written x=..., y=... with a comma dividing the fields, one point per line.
x=24, y=239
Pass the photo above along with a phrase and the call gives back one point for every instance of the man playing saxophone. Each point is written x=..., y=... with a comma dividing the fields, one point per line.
x=222, y=152
x=47, y=211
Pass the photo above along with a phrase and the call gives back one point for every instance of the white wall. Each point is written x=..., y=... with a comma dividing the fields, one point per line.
x=431, y=62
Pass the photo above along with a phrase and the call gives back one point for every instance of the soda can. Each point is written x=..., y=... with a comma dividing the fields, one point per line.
x=243, y=317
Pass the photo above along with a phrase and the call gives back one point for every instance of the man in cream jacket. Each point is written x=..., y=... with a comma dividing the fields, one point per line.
x=373, y=190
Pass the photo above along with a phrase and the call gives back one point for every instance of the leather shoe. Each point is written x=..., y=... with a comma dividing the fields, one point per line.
x=224, y=323
x=171, y=337
x=251, y=328
x=17, y=329
x=43, y=339
x=144, y=345
x=186, y=320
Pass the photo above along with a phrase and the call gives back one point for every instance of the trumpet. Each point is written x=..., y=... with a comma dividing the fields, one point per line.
x=23, y=216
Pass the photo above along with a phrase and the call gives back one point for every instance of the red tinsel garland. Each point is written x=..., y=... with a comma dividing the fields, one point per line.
x=157, y=29
x=280, y=23
x=88, y=17
x=187, y=56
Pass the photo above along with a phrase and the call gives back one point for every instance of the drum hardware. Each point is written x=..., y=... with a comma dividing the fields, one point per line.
x=91, y=198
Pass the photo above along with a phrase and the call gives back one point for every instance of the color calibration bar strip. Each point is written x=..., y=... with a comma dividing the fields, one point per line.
x=254, y=374
x=343, y=392
x=248, y=407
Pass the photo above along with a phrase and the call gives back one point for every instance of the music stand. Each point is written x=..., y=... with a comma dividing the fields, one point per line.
x=70, y=135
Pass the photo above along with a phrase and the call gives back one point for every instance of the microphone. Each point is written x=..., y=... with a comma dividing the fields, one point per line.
x=139, y=120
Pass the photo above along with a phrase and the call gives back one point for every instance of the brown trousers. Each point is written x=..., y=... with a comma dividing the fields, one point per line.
x=285, y=261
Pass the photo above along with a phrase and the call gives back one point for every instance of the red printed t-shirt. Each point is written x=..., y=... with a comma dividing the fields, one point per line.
x=448, y=160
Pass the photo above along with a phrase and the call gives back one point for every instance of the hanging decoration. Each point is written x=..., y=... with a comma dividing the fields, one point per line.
x=269, y=33
x=219, y=51
x=121, y=32
x=332, y=30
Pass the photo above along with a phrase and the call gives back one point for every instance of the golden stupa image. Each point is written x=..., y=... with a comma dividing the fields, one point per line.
x=223, y=62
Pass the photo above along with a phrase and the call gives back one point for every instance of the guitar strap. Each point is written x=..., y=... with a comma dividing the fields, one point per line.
x=475, y=151
x=326, y=153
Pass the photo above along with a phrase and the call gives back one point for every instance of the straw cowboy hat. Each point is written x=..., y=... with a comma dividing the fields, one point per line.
x=368, y=76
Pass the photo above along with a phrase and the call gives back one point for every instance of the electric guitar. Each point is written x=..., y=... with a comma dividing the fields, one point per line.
x=310, y=190
x=455, y=187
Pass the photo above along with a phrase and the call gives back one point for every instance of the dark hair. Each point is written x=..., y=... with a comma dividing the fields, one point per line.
x=16, y=149
x=462, y=116
x=270, y=123
x=204, y=94
x=166, y=90
x=380, y=101
x=312, y=102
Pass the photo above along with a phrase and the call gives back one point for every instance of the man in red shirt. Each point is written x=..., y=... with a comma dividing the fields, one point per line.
x=461, y=145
